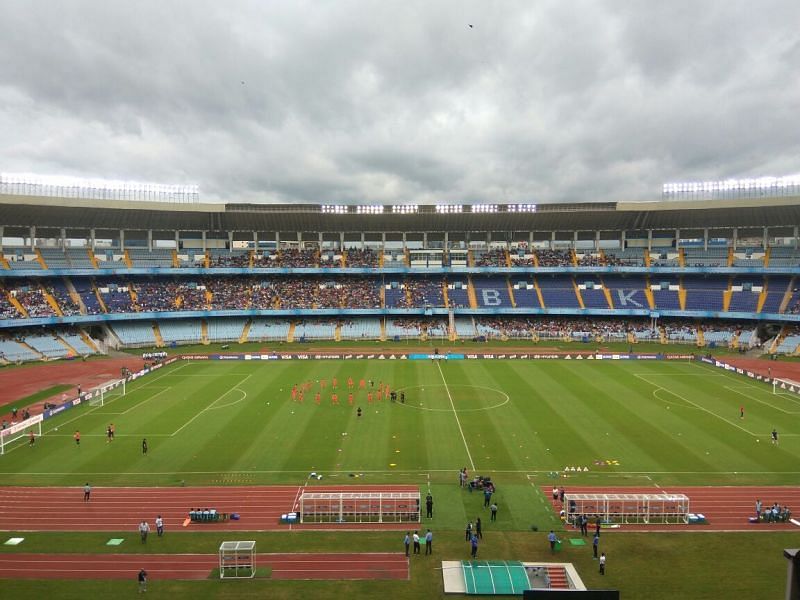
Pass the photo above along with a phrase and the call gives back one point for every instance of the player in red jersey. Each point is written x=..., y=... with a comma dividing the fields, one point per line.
x=300, y=396
x=349, y=383
x=322, y=384
x=335, y=398
x=317, y=398
x=294, y=393
x=335, y=383
x=362, y=384
x=350, y=398
x=369, y=397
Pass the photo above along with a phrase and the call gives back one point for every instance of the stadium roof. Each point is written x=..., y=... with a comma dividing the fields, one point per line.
x=70, y=213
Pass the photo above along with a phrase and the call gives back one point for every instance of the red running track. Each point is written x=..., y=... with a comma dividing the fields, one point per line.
x=725, y=508
x=123, y=508
x=198, y=566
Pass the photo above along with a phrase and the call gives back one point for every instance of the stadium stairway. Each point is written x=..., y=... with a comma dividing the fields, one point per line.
x=787, y=296
x=72, y=351
x=245, y=331
x=575, y=284
x=76, y=297
x=701, y=337
x=88, y=340
x=510, y=289
x=204, y=332
x=681, y=259
x=558, y=577
x=682, y=292
x=537, y=288
x=157, y=335
x=51, y=301
x=100, y=300
x=607, y=292
x=4, y=261
x=727, y=295
x=15, y=303
x=92, y=258
x=767, y=254
x=40, y=258
x=383, y=330
x=444, y=294
x=337, y=334
x=290, y=334
x=473, y=298
x=126, y=258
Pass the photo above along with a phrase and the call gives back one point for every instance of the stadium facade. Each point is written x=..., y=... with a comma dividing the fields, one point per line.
x=80, y=275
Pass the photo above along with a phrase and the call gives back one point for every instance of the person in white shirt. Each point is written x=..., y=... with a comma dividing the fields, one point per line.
x=144, y=529
x=159, y=526
x=416, y=542
x=603, y=563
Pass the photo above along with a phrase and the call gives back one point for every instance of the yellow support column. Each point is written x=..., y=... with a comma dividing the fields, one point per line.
x=175, y=262
x=204, y=332
x=767, y=255
x=4, y=262
x=40, y=258
x=731, y=257
x=290, y=334
x=126, y=257
x=15, y=303
x=51, y=301
x=444, y=295
x=681, y=258
x=648, y=293
x=99, y=296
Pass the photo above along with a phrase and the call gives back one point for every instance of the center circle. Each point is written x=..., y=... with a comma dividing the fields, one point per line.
x=436, y=397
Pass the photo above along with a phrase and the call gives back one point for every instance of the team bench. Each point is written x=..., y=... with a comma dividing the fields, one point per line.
x=206, y=515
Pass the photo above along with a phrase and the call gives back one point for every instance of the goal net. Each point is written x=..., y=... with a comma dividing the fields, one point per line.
x=21, y=430
x=99, y=395
x=780, y=386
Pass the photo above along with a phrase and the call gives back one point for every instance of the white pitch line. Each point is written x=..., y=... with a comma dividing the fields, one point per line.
x=705, y=410
x=210, y=406
x=455, y=414
x=783, y=410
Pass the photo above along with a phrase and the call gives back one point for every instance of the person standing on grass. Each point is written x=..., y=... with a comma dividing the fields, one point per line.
x=109, y=435
x=478, y=530
x=77, y=437
x=416, y=542
x=159, y=526
x=113, y=430
x=597, y=526
x=603, y=563
x=428, y=543
x=144, y=529
x=144, y=445
x=493, y=508
x=407, y=542
x=775, y=437
x=741, y=412
x=552, y=538
x=474, y=544
x=33, y=439
x=87, y=492
x=487, y=496
x=429, y=506
x=595, y=544
x=142, y=578
x=468, y=531
x=584, y=525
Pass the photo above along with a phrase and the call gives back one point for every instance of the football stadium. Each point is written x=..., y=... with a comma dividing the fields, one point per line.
x=399, y=300
x=306, y=377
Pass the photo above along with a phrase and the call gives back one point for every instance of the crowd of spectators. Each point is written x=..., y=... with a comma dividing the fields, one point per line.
x=521, y=261
x=494, y=257
x=228, y=293
x=292, y=258
x=553, y=258
x=192, y=297
x=588, y=260
x=156, y=295
x=34, y=302
x=68, y=306
x=7, y=310
x=237, y=259
x=430, y=327
x=329, y=259
x=362, y=257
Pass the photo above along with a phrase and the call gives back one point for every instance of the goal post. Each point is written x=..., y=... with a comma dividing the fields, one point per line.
x=780, y=385
x=20, y=430
x=99, y=395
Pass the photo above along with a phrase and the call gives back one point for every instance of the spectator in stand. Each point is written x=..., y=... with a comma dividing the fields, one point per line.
x=553, y=258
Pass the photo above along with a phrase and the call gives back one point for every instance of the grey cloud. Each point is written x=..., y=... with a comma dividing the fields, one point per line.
x=401, y=101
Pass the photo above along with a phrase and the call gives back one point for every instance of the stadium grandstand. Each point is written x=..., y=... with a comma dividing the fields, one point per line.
x=82, y=275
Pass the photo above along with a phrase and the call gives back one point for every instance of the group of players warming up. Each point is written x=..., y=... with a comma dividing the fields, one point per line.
x=374, y=392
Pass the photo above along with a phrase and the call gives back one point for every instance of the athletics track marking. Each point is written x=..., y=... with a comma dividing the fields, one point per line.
x=455, y=414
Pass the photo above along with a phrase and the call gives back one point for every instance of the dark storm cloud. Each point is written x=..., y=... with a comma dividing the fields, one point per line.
x=401, y=101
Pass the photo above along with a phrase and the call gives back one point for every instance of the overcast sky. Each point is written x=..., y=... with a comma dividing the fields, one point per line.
x=394, y=102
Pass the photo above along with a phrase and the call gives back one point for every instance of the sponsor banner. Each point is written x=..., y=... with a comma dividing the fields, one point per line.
x=196, y=356
x=434, y=356
x=22, y=425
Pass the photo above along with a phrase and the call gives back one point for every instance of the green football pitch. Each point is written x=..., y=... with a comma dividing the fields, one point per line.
x=522, y=422
x=227, y=422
